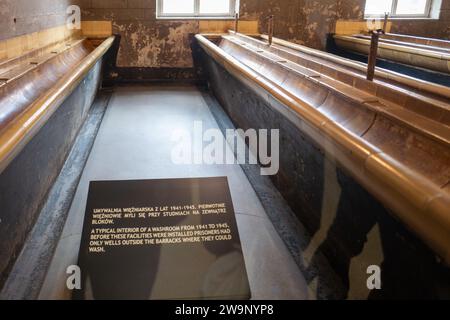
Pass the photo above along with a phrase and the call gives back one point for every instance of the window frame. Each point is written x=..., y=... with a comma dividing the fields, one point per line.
x=231, y=14
x=394, y=15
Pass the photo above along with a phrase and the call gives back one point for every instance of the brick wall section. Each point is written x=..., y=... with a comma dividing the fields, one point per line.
x=148, y=42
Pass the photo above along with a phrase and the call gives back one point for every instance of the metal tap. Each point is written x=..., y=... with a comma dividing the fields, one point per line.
x=373, y=53
x=271, y=28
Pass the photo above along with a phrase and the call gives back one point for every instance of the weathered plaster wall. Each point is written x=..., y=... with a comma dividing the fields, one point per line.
x=427, y=28
x=309, y=21
x=145, y=41
x=434, y=28
x=19, y=17
x=148, y=42
x=301, y=21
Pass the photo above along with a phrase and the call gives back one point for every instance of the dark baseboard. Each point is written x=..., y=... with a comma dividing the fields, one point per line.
x=151, y=75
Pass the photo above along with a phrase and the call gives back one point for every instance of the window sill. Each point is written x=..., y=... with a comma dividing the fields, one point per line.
x=194, y=18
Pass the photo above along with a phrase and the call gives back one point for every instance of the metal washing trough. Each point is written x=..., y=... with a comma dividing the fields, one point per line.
x=45, y=96
x=335, y=65
x=393, y=139
x=432, y=54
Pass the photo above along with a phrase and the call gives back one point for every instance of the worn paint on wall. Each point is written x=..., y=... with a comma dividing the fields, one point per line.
x=309, y=21
x=151, y=43
x=25, y=183
x=303, y=21
x=145, y=41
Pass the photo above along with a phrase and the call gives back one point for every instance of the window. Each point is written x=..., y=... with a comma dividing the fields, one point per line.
x=398, y=8
x=197, y=9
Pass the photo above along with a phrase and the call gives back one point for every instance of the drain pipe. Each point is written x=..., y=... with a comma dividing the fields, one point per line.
x=386, y=17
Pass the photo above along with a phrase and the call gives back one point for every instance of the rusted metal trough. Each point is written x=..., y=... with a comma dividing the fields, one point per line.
x=35, y=84
x=392, y=135
x=432, y=54
x=397, y=81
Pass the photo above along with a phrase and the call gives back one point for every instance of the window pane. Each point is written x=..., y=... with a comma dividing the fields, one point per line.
x=214, y=6
x=178, y=6
x=411, y=6
x=378, y=7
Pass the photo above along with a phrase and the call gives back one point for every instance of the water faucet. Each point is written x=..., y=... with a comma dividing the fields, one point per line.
x=271, y=28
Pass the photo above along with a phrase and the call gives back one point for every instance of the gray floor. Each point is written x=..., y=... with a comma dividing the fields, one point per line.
x=134, y=142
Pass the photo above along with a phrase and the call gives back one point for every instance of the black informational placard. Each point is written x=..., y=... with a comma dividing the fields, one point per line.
x=161, y=239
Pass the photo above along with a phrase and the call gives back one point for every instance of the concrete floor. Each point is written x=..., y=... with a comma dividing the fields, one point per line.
x=134, y=142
